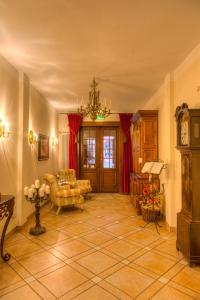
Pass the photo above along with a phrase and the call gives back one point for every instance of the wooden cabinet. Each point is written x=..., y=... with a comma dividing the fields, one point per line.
x=144, y=135
x=188, y=219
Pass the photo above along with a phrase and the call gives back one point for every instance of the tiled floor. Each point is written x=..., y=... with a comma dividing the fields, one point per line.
x=100, y=253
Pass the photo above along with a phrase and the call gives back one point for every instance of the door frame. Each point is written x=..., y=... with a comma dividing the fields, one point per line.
x=103, y=124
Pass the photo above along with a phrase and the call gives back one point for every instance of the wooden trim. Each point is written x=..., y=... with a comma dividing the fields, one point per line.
x=100, y=124
x=148, y=112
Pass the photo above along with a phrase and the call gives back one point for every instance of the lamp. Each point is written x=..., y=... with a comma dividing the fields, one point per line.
x=4, y=129
x=94, y=108
x=54, y=141
x=32, y=137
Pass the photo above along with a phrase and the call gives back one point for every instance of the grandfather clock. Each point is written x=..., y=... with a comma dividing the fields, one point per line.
x=188, y=219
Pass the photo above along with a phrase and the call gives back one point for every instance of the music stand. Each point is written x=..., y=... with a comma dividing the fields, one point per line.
x=153, y=168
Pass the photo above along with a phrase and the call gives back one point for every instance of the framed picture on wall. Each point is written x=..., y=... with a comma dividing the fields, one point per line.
x=43, y=147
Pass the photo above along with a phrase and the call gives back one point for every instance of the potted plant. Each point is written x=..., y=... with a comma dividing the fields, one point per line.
x=150, y=202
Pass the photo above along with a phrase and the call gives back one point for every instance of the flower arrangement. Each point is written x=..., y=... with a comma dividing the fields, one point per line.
x=150, y=198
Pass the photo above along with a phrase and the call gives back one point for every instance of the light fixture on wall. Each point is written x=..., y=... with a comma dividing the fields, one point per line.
x=94, y=108
x=4, y=129
x=32, y=137
x=54, y=141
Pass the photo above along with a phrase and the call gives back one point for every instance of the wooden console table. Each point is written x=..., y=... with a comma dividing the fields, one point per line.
x=7, y=203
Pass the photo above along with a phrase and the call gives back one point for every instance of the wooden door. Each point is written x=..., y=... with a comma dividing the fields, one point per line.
x=88, y=158
x=109, y=153
x=99, y=157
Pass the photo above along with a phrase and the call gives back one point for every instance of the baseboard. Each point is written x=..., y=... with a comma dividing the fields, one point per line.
x=171, y=228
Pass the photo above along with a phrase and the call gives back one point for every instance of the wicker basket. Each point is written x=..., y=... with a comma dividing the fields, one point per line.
x=150, y=214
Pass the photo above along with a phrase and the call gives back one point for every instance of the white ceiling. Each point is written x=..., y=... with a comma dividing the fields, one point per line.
x=128, y=45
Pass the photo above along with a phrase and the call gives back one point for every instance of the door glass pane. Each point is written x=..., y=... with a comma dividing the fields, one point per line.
x=89, y=148
x=109, y=149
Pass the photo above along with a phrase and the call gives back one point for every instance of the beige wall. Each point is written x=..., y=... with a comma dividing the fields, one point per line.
x=179, y=86
x=8, y=147
x=24, y=108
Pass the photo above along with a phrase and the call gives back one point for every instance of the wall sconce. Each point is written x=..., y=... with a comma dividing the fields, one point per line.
x=32, y=137
x=4, y=129
x=54, y=141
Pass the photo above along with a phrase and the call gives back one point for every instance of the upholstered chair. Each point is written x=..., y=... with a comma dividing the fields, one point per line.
x=70, y=176
x=62, y=195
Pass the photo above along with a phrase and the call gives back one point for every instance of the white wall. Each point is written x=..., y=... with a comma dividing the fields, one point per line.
x=179, y=86
x=24, y=108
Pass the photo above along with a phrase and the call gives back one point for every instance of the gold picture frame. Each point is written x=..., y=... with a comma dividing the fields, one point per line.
x=43, y=147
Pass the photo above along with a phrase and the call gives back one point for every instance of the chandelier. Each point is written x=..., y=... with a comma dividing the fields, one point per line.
x=94, y=108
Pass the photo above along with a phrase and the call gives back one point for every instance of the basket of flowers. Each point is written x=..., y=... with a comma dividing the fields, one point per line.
x=150, y=202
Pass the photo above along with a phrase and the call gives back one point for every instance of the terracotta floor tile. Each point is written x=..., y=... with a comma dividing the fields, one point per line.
x=98, y=222
x=98, y=237
x=189, y=278
x=77, y=291
x=72, y=248
x=38, y=262
x=118, y=229
x=97, y=262
x=105, y=243
x=133, y=222
x=22, y=248
x=41, y=290
x=155, y=262
x=143, y=237
x=62, y=280
x=167, y=293
x=7, y=276
x=123, y=248
x=129, y=281
x=77, y=229
x=22, y=293
x=12, y=287
x=169, y=247
x=114, y=290
x=49, y=270
x=150, y=291
x=15, y=238
x=95, y=293
x=52, y=237
x=20, y=270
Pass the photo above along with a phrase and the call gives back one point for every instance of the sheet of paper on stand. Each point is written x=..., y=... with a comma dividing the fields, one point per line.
x=153, y=167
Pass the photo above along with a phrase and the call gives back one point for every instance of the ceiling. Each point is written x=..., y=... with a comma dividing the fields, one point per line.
x=127, y=45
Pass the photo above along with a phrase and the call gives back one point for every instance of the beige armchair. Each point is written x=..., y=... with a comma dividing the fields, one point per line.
x=69, y=175
x=62, y=195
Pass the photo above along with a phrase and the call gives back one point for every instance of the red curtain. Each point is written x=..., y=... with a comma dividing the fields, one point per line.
x=74, y=125
x=127, y=164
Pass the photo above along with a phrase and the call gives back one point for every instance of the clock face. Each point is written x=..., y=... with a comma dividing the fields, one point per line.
x=184, y=131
